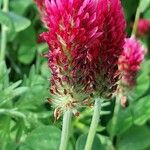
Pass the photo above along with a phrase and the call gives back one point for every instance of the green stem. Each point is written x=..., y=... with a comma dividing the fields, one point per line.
x=115, y=116
x=137, y=16
x=4, y=33
x=20, y=130
x=94, y=124
x=0, y=3
x=65, y=130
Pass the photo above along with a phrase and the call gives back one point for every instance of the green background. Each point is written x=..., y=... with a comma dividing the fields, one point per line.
x=26, y=118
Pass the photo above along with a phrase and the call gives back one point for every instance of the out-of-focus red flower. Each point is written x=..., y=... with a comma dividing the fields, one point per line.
x=130, y=60
x=85, y=39
x=143, y=27
x=40, y=4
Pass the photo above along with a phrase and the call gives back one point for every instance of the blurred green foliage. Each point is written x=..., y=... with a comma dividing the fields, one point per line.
x=26, y=118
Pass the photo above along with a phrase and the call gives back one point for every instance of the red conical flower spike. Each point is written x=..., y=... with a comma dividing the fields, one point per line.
x=143, y=27
x=85, y=39
x=130, y=60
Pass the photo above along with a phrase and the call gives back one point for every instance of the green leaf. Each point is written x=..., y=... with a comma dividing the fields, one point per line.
x=145, y=67
x=130, y=7
x=8, y=145
x=144, y=4
x=141, y=111
x=26, y=54
x=13, y=21
x=6, y=20
x=4, y=75
x=36, y=84
x=142, y=86
x=12, y=112
x=19, y=91
x=20, y=6
x=32, y=76
x=124, y=122
x=27, y=37
x=42, y=138
x=20, y=22
x=11, y=92
x=80, y=145
x=136, y=138
x=14, y=85
x=0, y=3
x=45, y=71
x=147, y=14
x=42, y=47
x=4, y=128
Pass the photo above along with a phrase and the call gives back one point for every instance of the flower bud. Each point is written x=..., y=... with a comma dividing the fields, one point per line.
x=143, y=27
x=130, y=60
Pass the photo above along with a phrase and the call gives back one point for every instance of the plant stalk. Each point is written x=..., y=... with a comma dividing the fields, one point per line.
x=115, y=115
x=94, y=124
x=65, y=130
x=4, y=32
x=135, y=25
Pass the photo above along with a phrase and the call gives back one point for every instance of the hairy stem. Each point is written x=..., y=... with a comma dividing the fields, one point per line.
x=4, y=33
x=65, y=130
x=94, y=124
x=137, y=16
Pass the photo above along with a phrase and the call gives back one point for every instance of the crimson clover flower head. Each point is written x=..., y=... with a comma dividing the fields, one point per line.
x=85, y=39
x=143, y=27
x=130, y=60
